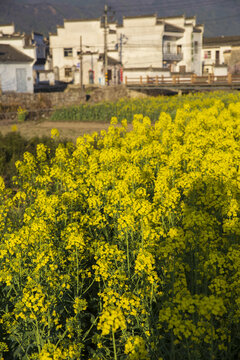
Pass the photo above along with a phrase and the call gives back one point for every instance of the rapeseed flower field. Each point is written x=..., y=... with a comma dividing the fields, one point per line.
x=126, y=245
x=150, y=106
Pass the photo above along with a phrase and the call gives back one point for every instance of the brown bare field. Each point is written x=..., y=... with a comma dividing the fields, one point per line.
x=69, y=130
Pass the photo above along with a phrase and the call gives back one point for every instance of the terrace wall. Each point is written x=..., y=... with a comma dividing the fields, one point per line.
x=9, y=102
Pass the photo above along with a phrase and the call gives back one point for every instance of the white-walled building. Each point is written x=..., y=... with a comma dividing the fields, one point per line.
x=173, y=43
x=33, y=46
x=8, y=36
x=86, y=38
x=15, y=70
x=188, y=43
x=142, y=42
x=7, y=29
x=218, y=53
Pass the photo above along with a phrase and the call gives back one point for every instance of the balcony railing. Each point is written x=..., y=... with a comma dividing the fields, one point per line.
x=172, y=56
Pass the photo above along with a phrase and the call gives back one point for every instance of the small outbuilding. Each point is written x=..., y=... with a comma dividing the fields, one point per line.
x=16, y=70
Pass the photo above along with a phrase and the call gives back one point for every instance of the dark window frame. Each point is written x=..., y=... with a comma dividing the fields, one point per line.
x=68, y=52
x=68, y=72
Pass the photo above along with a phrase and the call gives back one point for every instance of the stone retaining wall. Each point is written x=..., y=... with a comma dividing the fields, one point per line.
x=71, y=96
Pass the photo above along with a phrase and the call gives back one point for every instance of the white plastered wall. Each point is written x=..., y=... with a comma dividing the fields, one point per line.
x=8, y=77
x=142, y=45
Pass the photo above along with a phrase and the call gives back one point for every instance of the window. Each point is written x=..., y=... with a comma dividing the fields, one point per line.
x=179, y=49
x=207, y=54
x=68, y=72
x=195, y=47
x=168, y=48
x=182, y=69
x=68, y=52
x=217, y=57
x=91, y=76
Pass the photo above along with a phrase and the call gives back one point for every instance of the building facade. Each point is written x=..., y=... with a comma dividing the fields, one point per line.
x=172, y=43
x=8, y=36
x=33, y=45
x=81, y=42
x=221, y=54
x=15, y=70
x=167, y=43
x=141, y=42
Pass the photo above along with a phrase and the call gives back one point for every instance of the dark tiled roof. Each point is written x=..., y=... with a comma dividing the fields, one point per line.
x=81, y=20
x=182, y=74
x=221, y=40
x=10, y=54
x=140, y=16
x=172, y=28
x=146, y=69
x=221, y=66
x=172, y=17
x=197, y=30
x=37, y=33
x=10, y=24
x=12, y=36
x=40, y=62
x=111, y=61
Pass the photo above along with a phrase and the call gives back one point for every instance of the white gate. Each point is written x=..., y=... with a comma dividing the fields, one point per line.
x=21, y=75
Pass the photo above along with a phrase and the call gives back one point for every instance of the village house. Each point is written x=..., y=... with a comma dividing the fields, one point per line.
x=15, y=70
x=33, y=46
x=155, y=45
x=82, y=42
x=221, y=55
x=8, y=36
x=141, y=45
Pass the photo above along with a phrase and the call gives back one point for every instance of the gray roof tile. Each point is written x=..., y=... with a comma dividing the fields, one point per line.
x=10, y=54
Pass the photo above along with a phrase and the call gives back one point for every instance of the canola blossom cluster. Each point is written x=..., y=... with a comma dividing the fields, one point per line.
x=149, y=106
x=126, y=244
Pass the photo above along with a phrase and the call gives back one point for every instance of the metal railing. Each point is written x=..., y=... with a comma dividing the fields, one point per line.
x=172, y=56
x=193, y=79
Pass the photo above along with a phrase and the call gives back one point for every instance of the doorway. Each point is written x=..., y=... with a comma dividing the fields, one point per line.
x=21, y=76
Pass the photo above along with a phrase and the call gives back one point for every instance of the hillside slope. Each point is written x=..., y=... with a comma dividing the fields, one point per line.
x=220, y=17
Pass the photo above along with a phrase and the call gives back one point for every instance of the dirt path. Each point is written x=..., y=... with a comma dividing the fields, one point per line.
x=69, y=130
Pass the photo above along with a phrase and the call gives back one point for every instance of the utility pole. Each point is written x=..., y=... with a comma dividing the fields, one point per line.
x=81, y=63
x=121, y=41
x=105, y=43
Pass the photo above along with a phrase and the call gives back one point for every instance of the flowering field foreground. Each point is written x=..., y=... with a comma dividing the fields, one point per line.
x=126, y=245
x=151, y=107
